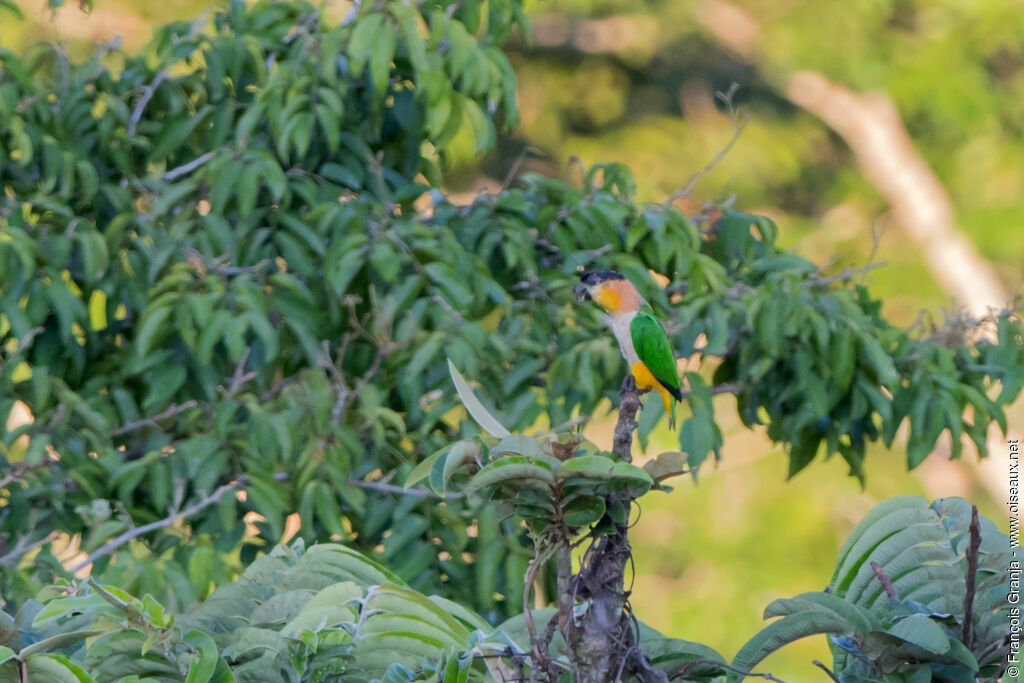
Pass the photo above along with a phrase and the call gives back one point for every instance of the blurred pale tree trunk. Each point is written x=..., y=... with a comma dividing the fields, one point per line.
x=871, y=125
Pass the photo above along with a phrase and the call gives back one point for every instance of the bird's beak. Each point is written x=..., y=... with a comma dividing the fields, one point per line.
x=581, y=292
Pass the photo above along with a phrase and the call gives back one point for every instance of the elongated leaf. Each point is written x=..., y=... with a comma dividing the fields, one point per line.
x=511, y=469
x=422, y=469
x=858, y=619
x=476, y=409
x=784, y=631
x=922, y=632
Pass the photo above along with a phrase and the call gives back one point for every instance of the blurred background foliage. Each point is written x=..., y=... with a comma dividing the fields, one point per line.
x=625, y=81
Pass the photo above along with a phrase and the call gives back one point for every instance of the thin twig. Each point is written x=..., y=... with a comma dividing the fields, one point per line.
x=21, y=548
x=147, y=95
x=28, y=337
x=972, y=574
x=727, y=388
x=20, y=469
x=172, y=411
x=240, y=377
x=540, y=658
x=884, y=579
x=712, y=662
x=185, y=169
x=828, y=671
x=135, y=532
x=738, y=125
x=513, y=171
x=391, y=488
x=847, y=274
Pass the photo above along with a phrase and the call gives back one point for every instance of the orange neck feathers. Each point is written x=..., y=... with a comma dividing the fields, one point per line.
x=618, y=296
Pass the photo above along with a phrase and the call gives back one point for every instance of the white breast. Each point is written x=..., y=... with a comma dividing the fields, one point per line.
x=619, y=325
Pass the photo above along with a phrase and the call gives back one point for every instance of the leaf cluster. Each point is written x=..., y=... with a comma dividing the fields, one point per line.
x=911, y=629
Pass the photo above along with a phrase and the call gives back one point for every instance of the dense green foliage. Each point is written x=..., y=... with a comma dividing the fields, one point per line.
x=916, y=632
x=225, y=266
x=328, y=613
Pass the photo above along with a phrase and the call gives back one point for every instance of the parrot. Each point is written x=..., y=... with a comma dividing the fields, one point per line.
x=641, y=336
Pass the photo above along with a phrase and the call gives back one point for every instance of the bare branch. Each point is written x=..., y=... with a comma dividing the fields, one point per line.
x=117, y=542
x=172, y=411
x=240, y=377
x=147, y=95
x=884, y=579
x=622, y=444
x=540, y=658
x=401, y=490
x=847, y=274
x=712, y=662
x=18, y=470
x=972, y=574
x=21, y=548
x=828, y=671
x=739, y=122
x=185, y=169
x=24, y=342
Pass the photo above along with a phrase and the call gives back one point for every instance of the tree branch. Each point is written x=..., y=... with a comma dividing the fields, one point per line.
x=972, y=575
x=847, y=274
x=401, y=490
x=18, y=470
x=147, y=95
x=185, y=169
x=884, y=579
x=622, y=444
x=151, y=421
x=117, y=542
x=828, y=671
x=738, y=124
x=540, y=658
x=21, y=548
x=712, y=662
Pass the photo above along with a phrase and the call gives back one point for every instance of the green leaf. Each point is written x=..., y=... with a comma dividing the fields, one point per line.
x=784, y=631
x=858, y=619
x=594, y=466
x=422, y=469
x=205, y=661
x=380, y=58
x=55, y=668
x=362, y=42
x=522, y=470
x=247, y=189
x=922, y=632
x=11, y=7
x=476, y=409
x=584, y=511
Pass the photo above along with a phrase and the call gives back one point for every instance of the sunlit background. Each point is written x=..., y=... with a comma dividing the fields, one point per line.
x=882, y=131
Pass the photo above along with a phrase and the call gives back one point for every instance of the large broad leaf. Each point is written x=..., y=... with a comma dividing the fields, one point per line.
x=53, y=668
x=921, y=631
x=683, y=660
x=821, y=602
x=786, y=630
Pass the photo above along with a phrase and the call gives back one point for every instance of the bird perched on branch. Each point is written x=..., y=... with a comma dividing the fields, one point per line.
x=641, y=336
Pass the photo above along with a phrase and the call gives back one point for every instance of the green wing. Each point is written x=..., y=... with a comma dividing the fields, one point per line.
x=653, y=348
